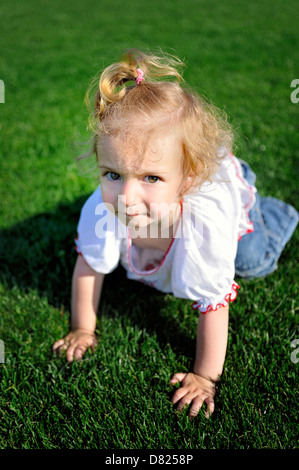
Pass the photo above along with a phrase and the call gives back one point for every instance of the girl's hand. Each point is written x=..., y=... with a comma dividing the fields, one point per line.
x=196, y=390
x=75, y=344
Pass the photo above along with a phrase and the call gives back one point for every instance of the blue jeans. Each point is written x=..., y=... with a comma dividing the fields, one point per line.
x=274, y=223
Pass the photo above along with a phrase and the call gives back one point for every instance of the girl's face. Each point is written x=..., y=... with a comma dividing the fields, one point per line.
x=142, y=189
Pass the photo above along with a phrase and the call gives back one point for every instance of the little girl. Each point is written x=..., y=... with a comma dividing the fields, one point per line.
x=175, y=207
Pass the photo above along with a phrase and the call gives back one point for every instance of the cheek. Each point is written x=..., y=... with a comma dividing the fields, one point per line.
x=164, y=203
x=172, y=193
x=108, y=195
x=161, y=200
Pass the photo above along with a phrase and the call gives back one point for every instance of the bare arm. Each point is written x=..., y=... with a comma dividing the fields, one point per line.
x=86, y=292
x=212, y=332
x=199, y=387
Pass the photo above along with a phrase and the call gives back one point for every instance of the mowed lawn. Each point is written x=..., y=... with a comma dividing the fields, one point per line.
x=243, y=57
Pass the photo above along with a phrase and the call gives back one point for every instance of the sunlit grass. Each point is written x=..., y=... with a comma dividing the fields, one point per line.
x=243, y=57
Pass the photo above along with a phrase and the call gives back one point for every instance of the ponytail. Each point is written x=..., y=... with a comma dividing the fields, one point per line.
x=113, y=83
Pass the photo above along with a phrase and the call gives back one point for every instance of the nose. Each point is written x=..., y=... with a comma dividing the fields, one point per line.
x=129, y=193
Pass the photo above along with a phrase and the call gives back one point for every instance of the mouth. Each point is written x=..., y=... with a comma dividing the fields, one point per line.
x=130, y=214
x=134, y=215
x=134, y=211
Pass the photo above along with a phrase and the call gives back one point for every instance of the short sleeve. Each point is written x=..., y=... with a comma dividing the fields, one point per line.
x=96, y=240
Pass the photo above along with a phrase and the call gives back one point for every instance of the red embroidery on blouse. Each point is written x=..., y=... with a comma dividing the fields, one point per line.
x=227, y=298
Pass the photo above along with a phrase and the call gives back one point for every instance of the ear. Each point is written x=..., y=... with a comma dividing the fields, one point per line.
x=187, y=184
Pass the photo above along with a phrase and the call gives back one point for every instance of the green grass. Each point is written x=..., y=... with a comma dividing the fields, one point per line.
x=241, y=55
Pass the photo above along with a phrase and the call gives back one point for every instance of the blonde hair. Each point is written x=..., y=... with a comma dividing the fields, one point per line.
x=159, y=103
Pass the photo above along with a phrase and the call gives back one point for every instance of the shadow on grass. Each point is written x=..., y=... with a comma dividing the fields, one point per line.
x=39, y=253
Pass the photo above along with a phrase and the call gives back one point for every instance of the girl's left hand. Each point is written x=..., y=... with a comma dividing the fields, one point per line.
x=196, y=390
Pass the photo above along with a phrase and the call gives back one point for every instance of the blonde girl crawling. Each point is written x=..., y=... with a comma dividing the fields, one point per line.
x=175, y=207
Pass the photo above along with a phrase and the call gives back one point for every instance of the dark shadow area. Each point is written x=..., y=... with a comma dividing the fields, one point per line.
x=39, y=253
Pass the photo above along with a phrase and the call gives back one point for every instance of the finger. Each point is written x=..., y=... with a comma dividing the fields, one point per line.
x=184, y=403
x=179, y=394
x=79, y=352
x=61, y=349
x=196, y=406
x=210, y=407
x=94, y=344
x=70, y=353
x=179, y=377
x=57, y=344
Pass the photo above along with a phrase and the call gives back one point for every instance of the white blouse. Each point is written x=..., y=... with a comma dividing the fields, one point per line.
x=199, y=264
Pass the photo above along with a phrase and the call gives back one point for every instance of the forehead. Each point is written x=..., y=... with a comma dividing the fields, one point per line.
x=141, y=151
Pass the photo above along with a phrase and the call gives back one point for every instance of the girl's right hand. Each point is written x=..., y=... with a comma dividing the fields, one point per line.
x=75, y=344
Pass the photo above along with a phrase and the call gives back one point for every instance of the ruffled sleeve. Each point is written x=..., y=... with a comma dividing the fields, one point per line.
x=96, y=240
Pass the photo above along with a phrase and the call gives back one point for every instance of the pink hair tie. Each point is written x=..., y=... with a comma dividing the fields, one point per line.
x=139, y=77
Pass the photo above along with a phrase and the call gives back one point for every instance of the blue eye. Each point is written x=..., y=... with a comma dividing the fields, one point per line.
x=112, y=176
x=152, y=179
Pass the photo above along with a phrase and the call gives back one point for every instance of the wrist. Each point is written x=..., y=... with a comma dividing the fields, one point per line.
x=87, y=331
x=211, y=376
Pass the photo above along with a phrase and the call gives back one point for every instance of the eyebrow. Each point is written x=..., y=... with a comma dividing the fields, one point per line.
x=104, y=167
x=142, y=172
